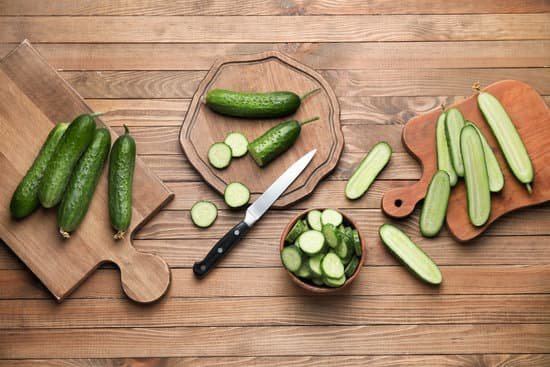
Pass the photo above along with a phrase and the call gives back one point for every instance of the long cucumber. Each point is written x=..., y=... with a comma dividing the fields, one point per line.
x=367, y=171
x=454, y=122
x=434, y=209
x=496, y=178
x=444, y=161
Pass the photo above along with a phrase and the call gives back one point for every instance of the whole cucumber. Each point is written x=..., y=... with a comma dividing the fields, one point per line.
x=121, y=177
x=25, y=198
x=76, y=139
x=254, y=105
x=276, y=141
x=83, y=182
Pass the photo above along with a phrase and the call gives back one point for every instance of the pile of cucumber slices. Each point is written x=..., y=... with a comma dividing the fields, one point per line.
x=322, y=249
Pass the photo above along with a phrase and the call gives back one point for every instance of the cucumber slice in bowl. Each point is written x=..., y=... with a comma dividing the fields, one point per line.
x=236, y=195
x=332, y=266
x=334, y=282
x=444, y=161
x=291, y=256
x=434, y=209
x=367, y=171
x=298, y=228
x=219, y=155
x=332, y=236
x=314, y=263
x=311, y=242
x=496, y=178
x=238, y=144
x=454, y=122
x=314, y=220
x=330, y=216
x=204, y=213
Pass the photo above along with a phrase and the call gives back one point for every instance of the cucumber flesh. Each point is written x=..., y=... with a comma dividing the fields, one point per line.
x=475, y=176
x=298, y=228
x=331, y=235
x=334, y=282
x=435, y=204
x=357, y=243
x=314, y=220
x=367, y=171
x=314, y=263
x=219, y=155
x=443, y=156
x=332, y=266
x=496, y=178
x=238, y=144
x=351, y=266
x=410, y=254
x=343, y=250
x=204, y=213
x=304, y=271
x=330, y=216
x=454, y=122
x=236, y=195
x=311, y=242
x=291, y=257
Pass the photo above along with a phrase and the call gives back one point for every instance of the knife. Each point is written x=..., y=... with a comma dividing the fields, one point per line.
x=253, y=213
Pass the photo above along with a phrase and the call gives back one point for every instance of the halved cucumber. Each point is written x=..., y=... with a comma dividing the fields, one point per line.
x=332, y=236
x=454, y=122
x=236, y=195
x=496, y=178
x=314, y=220
x=238, y=144
x=332, y=266
x=314, y=263
x=219, y=155
x=443, y=156
x=352, y=265
x=311, y=242
x=291, y=256
x=434, y=209
x=475, y=175
x=204, y=213
x=410, y=254
x=368, y=169
x=298, y=228
x=334, y=282
x=330, y=216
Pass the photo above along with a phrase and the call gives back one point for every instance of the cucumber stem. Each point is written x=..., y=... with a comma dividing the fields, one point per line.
x=126, y=130
x=119, y=235
x=309, y=120
x=65, y=234
x=529, y=188
x=311, y=92
x=477, y=86
x=97, y=114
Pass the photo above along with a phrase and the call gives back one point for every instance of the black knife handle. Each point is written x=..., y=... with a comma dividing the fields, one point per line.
x=220, y=249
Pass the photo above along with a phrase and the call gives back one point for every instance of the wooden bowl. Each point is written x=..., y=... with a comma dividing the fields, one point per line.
x=312, y=287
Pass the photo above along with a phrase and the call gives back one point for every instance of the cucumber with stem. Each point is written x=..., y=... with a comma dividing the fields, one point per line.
x=435, y=204
x=444, y=161
x=367, y=171
x=454, y=122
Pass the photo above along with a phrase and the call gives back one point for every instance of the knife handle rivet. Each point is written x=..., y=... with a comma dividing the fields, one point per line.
x=203, y=267
x=220, y=250
x=237, y=232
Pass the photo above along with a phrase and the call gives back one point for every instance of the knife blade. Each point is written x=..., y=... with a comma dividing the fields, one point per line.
x=253, y=214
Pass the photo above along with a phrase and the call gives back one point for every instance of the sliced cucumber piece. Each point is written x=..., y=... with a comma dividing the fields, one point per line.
x=314, y=220
x=314, y=263
x=410, y=254
x=317, y=281
x=343, y=250
x=351, y=266
x=332, y=266
x=236, y=195
x=331, y=235
x=496, y=178
x=204, y=213
x=219, y=155
x=475, y=176
x=296, y=231
x=334, y=282
x=238, y=144
x=291, y=256
x=454, y=122
x=443, y=156
x=304, y=271
x=435, y=204
x=331, y=216
x=311, y=242
x=357, y=242
x=366, y=172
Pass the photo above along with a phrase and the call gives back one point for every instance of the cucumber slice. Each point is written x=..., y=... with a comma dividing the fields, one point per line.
x=238, y=144
x=343, y=250
x=443, y=156
x=219, y=155
x=204, y=213
x=334, y=282
x=507, y=137
x=332, y=266
x=317, y=281
x=311, y=242
x=476, y=177
x=454, y=122
x=364, y=175
x=434, y=209
x=296, y=231
x=331, y=216
x=496, y=178
x=331, y=235
x=351, y=266
x=291, y=256
x=304, y=271
x=410, y=254
x=357, y=243
x=314, y=263
x=314, y=220
x=236, y=195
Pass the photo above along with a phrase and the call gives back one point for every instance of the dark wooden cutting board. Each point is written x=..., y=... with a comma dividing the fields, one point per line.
x=33, y=97
x=531, y=117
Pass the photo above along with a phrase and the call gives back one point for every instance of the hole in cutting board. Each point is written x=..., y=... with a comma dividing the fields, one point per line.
x=398, y=203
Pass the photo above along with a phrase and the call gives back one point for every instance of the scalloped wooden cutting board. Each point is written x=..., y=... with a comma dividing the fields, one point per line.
x=33, y=97
x=531, y=117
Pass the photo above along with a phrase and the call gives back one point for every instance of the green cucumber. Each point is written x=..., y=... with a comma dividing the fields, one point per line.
x=475, y=176
x=454, y=122
x=410, y=254
x=435, y=204
x=254, y=105
x=204, y=213
x=25, y=198
x=291, y=256
x=238, y=144
x=73, y=144
x=508, y=138
x=121, y=177
x=314, y=220
x=236, y=195
x=81, y=186
x=496, y=178
x=366, y=172
x=444, y=161
x=219, y=155
x=276, y=141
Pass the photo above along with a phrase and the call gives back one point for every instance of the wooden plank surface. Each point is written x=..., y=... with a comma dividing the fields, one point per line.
x=141, y=61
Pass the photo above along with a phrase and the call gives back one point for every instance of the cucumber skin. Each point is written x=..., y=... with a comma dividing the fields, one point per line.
x=76, y=139
x=121, y=177
x=83, y=182
x=274, y=142
x=25, y=198
x=252, y=105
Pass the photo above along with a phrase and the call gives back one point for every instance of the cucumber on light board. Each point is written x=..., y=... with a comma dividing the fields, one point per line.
x=444, y=161
x=204, y=213
x=238, y=144
x=454, y=122
x=475, y=176
x=219, y=155
x=496, y=178
x=314, y=219
x=435, y=204
x=367, y=171
x=236, y=195
x=508, y=138
x=410, y=254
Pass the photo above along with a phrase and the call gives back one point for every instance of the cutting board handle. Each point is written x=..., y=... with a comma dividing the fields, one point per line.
x=400, y=202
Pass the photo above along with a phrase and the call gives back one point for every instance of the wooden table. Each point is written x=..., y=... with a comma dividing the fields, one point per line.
x=387, y=61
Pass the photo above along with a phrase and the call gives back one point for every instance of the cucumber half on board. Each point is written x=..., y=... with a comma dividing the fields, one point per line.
x=444, y=161
x=434, y=208
x=496, y=178
x=454, y=122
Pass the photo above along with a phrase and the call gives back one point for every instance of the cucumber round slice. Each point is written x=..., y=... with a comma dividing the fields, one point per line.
x=343, y=250
x=454, y=122
x=356, y=242
x=204, y=213
x=238, y=144
x=331, y=216
x=219, y=155
x=304, y=271
x=352, y=265
x=332, y=266
x=314, y=220
x=236, y=195
x=331, y=235
x=314, y=263
x=311, y=242
x=496, y=178
x=410, y=254
x=317, y=281
x=367, y=171
x=434, y=209
x=334, y=283
x=298, y=228
x=443, y=156
x=291, y=256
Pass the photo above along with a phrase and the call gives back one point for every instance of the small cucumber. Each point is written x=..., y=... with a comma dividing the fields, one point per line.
x=434, y=209
x=454, y=122
x=121, y=177
x=25, y=198
x=81, y=186
x=443, y=156
x=236, y=195
x=204, y=213
x=496, y=178
x=74, y=143
x=276, y=141
x=508, y=138
x=254, y=105
x=364, y=175
x=475, y=176
x=238, y=144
